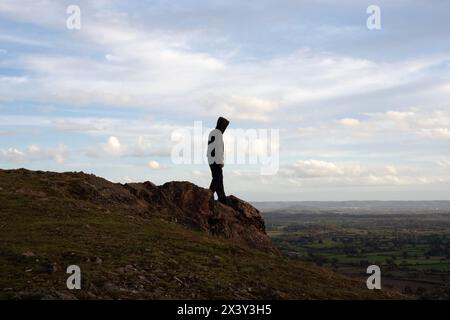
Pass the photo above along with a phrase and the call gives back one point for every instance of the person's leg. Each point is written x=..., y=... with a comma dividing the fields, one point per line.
x=214, y=182
x=220, y=189
x=217, y=182
x=221, y=193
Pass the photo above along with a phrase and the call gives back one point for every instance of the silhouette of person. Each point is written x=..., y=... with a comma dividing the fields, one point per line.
x=216, y=158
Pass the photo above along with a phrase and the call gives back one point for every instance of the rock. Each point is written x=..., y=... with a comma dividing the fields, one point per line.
x=54, y=267
x=142, y=278
x=28, y=254
x=109, y=286
x=121, y=270
x=178, y=280
x=65, y=296
x=91, y=295
x=193, y=206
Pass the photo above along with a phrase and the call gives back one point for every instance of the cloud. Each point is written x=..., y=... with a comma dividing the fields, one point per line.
x=198, y=173
x=444, y=163
x=12, y=155
x=438, y=133
x=243, y=107
x=349, y=122
x=58, y=154
x=112, y=148
x=113, y=58
x=157, y=68
x=433, y=124
x=376, y=127
x=13, y=80
x=140, y=146
x=154, y=165
x=33, y=153
x=391, y=170
x=318, y=173
x=21, y=41
x=318, y=168
x=39, y=12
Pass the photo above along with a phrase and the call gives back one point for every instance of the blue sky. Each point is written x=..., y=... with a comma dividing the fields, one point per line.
x=362, y=114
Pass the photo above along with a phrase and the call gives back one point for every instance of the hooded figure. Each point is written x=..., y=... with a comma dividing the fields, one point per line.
x=216, y=157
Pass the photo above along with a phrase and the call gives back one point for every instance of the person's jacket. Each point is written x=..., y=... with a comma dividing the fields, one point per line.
x=216, y=150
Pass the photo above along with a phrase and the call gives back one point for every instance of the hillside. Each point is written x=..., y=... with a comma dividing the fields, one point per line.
x=142, y=241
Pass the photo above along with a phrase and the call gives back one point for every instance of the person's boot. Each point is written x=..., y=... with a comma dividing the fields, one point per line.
x=223, y=201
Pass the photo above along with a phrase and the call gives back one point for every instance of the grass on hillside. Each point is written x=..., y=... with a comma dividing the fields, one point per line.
x=128, y=257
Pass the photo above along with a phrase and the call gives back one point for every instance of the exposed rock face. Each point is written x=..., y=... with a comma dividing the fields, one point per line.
x=193, y=206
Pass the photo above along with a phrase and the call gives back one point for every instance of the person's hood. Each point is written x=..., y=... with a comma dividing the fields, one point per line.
x=222, y=124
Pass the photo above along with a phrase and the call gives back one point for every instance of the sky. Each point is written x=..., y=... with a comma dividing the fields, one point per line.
x=362, y=114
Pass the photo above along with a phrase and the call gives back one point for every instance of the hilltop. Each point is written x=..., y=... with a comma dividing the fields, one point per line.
x=142, y=241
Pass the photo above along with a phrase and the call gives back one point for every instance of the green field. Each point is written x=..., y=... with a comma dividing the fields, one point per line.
x=413, y=246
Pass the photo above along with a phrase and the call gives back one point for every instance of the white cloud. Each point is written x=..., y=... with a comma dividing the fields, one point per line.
x=427, y=123
x=111, y=148
x=349, y=122
x=22, y=41
x=444, y=163
x=38, y=12
x=113, y=58
x=438, y=133
x=410, y=124
x=134, y=146
x=243, y=107
x=318, y=173
x=198, y=173
x=58, y=154
x=154, y=165
x=392, y=170
x=317, y=168
x=13, y=80
x=12, y=155
x=160, y=69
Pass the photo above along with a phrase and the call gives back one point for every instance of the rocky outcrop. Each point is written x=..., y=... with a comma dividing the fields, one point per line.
x=181, y=202
x=194, y=206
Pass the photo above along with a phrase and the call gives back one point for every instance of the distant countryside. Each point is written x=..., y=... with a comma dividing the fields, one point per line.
x=410, y=241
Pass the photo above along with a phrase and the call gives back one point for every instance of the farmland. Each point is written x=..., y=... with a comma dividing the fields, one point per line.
x=412, y=249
